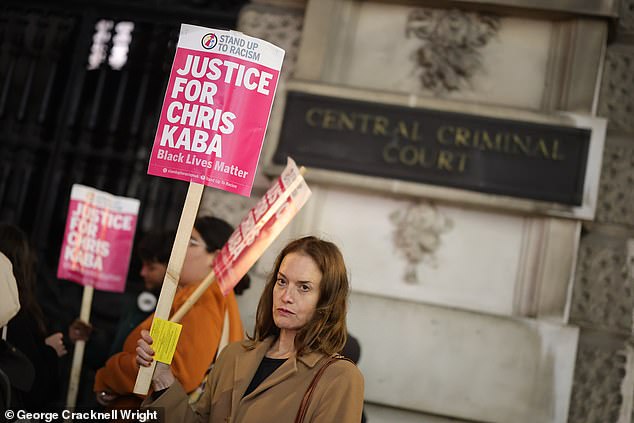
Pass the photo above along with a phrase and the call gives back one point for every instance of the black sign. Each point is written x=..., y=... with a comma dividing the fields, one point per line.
x=491, y=155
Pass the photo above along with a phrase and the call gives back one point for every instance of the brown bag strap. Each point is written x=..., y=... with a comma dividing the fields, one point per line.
x=303, y=408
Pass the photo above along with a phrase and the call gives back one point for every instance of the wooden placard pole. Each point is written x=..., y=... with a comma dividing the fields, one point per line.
x=78, y=352
x=193, y=298
x=172, y=276
x=211, y=277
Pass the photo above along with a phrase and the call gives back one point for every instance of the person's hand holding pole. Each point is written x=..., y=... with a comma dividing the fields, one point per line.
x=163, y=377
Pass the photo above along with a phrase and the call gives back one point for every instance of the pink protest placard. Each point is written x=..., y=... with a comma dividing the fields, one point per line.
x=216, y=109
x=98, y=239
x=259, y=228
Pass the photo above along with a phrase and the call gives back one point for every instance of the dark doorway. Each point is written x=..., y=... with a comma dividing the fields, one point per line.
x=81, y=85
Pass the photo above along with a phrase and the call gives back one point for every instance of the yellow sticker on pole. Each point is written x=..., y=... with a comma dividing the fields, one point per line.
x=165, y=337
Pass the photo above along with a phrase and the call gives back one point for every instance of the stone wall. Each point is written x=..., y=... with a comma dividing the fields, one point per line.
x=603, y=296
x=602, y=300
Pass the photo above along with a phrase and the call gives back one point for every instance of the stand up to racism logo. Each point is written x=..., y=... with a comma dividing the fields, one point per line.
x=209, y=41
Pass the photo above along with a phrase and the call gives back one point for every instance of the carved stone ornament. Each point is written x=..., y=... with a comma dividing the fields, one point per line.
x=280, y=26
x=451, y=40
x=416, y=235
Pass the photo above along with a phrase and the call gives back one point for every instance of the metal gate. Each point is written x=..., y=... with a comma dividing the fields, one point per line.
x=81, y=85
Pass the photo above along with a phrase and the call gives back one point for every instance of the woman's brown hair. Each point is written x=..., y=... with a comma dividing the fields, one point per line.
x=326, y=332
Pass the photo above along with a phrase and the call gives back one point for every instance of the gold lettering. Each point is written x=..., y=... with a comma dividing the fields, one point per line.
x=475, y=142
x=410, y=155
x=543, y=149
x=506, y=139
x=401, y=129
x=487, y=144
x=423, y=155
x=522, y=144
x=556, y=155
x=440, y=134
x=444, y=160
x=502, y=142
x=310, y=114
x=462, y=163
x=346, y=121
x=364, y=122
x=498, y=142
x=413, y=156
x=386, y=153
x=415, y=133
x=462, y=137
x=380, y=123
x=330, y=120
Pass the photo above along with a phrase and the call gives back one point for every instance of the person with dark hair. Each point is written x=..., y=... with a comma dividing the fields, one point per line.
x=202, y=325
x=216, y=232
x=289, y=370
x=154, y=251
x=27, y=330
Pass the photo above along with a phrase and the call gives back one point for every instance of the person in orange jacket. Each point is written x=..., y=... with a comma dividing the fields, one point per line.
x=202, y=325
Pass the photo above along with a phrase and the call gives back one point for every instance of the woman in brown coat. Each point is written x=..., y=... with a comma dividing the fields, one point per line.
x=300, y=325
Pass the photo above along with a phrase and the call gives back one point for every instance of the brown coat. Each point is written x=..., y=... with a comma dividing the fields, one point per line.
x=338, y=397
